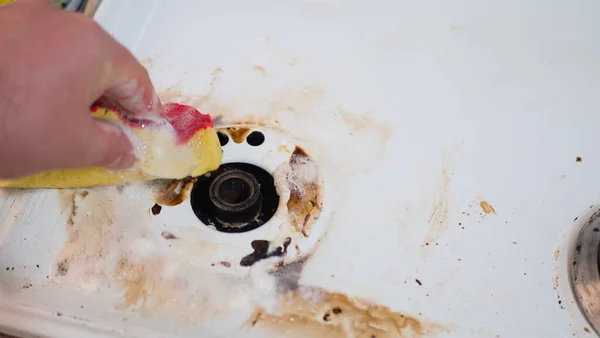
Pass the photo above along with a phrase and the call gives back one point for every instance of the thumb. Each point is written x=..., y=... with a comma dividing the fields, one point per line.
x=105, y=145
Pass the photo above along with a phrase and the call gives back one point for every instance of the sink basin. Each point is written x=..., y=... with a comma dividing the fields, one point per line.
x=396, y=169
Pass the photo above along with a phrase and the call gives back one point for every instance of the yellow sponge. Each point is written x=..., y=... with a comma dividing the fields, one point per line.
x=187, y=145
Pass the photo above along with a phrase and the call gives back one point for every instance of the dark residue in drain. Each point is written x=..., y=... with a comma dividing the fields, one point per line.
x=167, y=235
x=156, y=209
x=173, y=192
x=261, y=251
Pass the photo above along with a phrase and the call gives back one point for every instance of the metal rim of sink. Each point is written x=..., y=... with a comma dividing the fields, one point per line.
x=584, y=270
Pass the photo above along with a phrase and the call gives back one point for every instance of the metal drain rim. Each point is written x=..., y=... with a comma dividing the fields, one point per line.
x=584, y=271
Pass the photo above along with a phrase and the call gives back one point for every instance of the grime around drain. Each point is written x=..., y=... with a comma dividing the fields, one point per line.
x=112, y=241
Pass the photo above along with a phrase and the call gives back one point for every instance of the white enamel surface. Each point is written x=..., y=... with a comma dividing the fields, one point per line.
x=481, y=101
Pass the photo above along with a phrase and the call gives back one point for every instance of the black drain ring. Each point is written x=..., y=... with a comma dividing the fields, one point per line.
x=247, y=209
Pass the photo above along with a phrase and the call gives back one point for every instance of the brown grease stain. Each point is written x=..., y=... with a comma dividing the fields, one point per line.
x=260, y=69
x=237, y=134
x=169, y=95
x=439, y=213
x=357, y=123
x=299, y=310
x=84, y=243
x=283, y=149
x=135, y=283
x=314, y=312
x=304, y=207
x=147, y=63
x=173, y=192
x=142, y=280
x=167, y=235
x=293, y=111
x=486, y=207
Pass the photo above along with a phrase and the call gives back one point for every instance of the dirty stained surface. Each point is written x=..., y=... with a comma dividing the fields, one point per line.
x=112, y=240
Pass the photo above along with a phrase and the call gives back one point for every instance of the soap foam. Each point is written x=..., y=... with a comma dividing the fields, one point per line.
x=157, y=151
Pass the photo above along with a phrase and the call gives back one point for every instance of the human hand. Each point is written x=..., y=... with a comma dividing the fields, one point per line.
x=54, y=65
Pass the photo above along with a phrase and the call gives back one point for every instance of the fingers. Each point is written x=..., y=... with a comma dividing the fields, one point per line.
x=106, y=145
x=94, y=143
x=129, y=87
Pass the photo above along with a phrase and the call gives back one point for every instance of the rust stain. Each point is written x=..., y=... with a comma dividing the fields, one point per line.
x=556, y=254
x=169, y=95
x=172, y=192
x=85, y=243
x=198, y=101
x=147, y=63
x=136, y=283
x=215, y=76
x=486, y=207
x=260, y=69
x=305, y=202
x=237, y=134
x=284, y=149
x=555, y=281
x=62, y=267
x=255, y=318
x=578, y=159
x=168, y=235
x=301, y=311
x=439, y=213
x=586, y=330
x=66, y=200
x=313, y=312
x=357, y=122
x=142, y=280
x=293, y=111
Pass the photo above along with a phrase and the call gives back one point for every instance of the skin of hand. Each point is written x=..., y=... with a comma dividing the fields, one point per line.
x=54, y=65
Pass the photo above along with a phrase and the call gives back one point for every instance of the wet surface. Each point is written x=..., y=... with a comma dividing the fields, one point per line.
x=305, y=191
x=172, y=192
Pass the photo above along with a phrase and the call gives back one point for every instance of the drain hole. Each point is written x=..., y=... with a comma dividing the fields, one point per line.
x=255, y=138
x=237, y=197
x=235, y=190
x=223, y=138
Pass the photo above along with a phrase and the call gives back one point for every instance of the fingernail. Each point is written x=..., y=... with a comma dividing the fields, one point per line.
x=110, y=127
x=123, y=161
x=123, y=156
